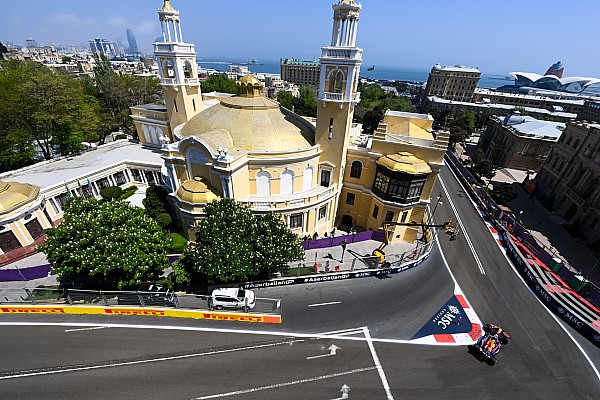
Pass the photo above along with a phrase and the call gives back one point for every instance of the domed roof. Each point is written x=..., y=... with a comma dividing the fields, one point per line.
x=195, y=191
x=252, y=124
x=13, y=195
x=250, y=79
x=404, y=162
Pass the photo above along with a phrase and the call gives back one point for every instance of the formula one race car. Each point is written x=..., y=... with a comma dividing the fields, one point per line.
x=488, y=346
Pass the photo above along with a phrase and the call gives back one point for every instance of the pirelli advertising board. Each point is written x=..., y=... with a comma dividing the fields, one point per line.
x=151, y=312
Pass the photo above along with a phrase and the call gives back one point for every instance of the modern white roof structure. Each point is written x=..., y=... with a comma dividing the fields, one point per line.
x=53, y=173
x=553, y=82
x=531, y=127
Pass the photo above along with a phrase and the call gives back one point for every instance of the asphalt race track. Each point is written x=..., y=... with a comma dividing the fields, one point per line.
x=365, y=323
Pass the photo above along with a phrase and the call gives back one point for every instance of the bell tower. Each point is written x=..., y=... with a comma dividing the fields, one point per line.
x=177, y=68
x=338, y=95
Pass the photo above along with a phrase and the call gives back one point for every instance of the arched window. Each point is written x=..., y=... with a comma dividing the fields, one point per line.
x=286, y=180
x=188, y=72
x=356, y=169
x=307, y=178
x=335, y=81
x=263, y=183
x=169, y=69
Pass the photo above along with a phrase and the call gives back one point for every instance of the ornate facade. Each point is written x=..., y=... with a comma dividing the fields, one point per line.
x=249, y=148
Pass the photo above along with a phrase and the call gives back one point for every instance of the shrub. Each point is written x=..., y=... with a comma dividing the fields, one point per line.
x=128, y=192
x=111, y=192
x=177, y=243
x=163, y=220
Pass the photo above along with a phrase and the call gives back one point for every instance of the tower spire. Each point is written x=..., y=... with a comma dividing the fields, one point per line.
x=178, y=68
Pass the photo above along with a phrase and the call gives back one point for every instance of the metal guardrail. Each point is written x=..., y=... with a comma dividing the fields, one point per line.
x=74, y=297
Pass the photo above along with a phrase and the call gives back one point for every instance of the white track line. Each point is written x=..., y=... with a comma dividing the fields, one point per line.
x=86, y=329
x=278, y=385
x=462, y=227
x=325, y=304
x=120, y=364
x=384, y=381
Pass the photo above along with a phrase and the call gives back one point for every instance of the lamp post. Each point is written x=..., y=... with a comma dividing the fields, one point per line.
x=437, y=203
x=343, y=244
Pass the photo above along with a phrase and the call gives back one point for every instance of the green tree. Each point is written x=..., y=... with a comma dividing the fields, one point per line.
x=48, y=107
x=276, y=244
x=503, y=192
x=285, y=99
x=108, y=245
x=465, y=121
x=371, y=119
x=116, y=93
x=153, y=203
x=219, y=83
x=482, y=167
x=233, y=245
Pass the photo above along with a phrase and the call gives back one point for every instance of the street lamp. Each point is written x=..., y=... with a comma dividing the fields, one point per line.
x=343, y=244
x=438, y=202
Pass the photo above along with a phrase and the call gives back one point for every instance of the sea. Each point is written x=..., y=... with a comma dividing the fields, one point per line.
x=381, y=73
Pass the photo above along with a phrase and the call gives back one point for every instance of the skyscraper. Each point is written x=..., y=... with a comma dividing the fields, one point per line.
x=133, y=48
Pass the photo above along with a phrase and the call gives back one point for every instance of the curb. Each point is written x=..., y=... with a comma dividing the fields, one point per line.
x=138, y=311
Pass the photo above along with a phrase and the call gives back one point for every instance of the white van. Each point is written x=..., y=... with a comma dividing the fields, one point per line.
x=232, y=298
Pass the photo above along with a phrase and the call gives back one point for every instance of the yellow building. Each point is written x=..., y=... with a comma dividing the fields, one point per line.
x=317, y=176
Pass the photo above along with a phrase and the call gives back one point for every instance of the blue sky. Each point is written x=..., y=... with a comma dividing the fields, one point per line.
x=497, y=36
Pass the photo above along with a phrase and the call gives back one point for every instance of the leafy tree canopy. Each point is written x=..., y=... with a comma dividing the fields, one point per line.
x=374, y=101
x=305, y=104
x=233, y=245
x=43, y=106
x=109, y=245
x=219, y=83
x=503, y=193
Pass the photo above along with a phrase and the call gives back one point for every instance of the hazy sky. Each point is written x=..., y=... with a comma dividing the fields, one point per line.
x=497, y=36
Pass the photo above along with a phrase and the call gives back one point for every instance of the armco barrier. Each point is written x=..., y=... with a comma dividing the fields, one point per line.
x=133, y=311
x=590, y=329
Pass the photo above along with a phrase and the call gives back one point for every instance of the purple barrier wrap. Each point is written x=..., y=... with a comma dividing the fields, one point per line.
x=335, y=241
x=27, y=274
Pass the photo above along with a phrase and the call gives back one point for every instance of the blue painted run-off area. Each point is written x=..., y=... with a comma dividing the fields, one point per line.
x=451, y=318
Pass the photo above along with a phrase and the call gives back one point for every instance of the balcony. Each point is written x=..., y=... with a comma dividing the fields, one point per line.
x=290, y=201
x=352, y=53
x=168, y=81
x=333, y=96
x=182, y=48
x=192, y=82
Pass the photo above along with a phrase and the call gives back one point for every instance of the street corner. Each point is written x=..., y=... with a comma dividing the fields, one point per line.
x=453, y=324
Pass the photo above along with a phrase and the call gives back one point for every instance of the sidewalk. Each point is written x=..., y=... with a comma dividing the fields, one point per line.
x=364, y=248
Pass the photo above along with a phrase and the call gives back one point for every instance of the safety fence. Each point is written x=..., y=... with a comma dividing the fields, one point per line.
x=507, y=225
x=75, y=297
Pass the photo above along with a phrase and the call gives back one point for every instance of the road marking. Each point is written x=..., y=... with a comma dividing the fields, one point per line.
x=462, y=227
x=224, y=330
x=341, y=332
x=332, y=352
x=384, y=381
x=120, y=364
x=278, y=385
x=325, y=304
x=86, y=329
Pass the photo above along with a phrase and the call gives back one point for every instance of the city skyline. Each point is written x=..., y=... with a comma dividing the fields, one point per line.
x=496, y=39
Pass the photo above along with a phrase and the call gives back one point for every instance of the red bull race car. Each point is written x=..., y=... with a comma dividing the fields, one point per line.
x=489, y=344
